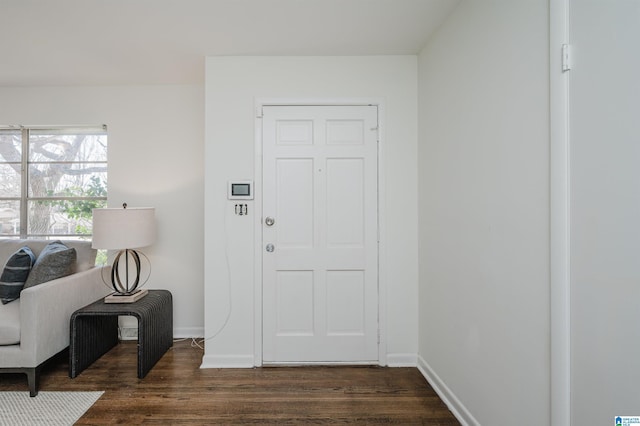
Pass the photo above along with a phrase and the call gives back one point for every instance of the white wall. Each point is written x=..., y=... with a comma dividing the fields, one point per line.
x=232, y=86
x=156, y=136
x=605, y=210
x=484, y=212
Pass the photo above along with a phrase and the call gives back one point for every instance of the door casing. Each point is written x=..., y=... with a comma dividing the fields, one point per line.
x=382, y=284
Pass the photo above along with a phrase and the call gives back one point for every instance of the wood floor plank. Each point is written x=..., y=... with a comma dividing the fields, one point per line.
x=176, y=391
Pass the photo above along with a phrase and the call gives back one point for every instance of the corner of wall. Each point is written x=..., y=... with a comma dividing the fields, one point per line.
x=448, y=397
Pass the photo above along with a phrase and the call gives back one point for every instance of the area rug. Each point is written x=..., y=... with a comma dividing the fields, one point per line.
x=47, y=408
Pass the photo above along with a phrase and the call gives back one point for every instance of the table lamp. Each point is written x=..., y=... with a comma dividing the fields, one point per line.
x=124, y=229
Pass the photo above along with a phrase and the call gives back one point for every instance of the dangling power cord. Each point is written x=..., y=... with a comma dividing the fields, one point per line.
x=199, y=343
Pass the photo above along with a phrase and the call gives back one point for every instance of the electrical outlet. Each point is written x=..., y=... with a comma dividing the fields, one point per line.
x=128, y=333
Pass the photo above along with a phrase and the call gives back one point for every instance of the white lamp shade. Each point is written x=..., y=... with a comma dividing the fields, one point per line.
x=123, y=228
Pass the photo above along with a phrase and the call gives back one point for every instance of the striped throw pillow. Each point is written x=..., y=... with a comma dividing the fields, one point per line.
x=15, y=273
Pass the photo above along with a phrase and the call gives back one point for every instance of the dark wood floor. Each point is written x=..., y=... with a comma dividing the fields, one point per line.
x=177, y=391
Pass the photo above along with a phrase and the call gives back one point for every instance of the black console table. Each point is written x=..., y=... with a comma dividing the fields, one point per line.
x=94, y=330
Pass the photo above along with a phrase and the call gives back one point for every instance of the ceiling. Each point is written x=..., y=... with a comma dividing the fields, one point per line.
x=121, y=42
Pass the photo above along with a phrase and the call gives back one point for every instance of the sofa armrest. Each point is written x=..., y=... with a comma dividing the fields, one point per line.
x=45, y=311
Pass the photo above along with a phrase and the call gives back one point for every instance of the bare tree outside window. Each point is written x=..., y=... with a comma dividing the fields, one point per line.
x=50, y=180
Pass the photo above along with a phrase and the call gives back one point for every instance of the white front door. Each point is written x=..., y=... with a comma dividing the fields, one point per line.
x=320, y=234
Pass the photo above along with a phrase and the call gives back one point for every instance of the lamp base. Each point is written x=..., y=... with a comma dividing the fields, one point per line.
x=125, y=298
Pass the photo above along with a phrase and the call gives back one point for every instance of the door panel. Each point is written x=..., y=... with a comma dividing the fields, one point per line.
x=345, y=207
x=294, y=209
x=295, y=303
x=345, y=297
x=320, y=283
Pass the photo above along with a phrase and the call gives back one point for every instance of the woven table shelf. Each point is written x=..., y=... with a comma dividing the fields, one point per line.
x=94, y=330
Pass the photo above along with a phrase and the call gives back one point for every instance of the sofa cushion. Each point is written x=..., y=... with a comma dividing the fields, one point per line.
x=55, y=261
x=86, y=255
x=10, y=323
x=15, y=273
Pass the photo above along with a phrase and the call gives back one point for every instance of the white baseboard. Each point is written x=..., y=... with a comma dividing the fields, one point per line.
x=453, y=403
x=402, y=360
x=247, y=361
x=187, y=332
x=227, y=361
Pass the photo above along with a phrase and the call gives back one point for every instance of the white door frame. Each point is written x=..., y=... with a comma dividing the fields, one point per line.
x=560, y=220
x=382, y=282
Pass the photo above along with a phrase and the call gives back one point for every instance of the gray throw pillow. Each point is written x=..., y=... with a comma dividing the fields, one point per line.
x=15, y=273
x=55, y=261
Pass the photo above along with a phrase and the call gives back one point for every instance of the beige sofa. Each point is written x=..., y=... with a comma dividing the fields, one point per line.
x=41, y=315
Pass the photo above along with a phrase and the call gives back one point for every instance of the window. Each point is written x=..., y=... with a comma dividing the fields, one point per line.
x=50, y=180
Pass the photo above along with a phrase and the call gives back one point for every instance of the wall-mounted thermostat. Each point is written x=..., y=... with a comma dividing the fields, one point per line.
x=240, y=190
